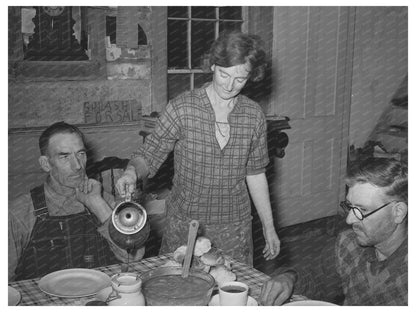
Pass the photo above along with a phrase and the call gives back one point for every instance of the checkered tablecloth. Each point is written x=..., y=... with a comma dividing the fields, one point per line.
x=32, y=295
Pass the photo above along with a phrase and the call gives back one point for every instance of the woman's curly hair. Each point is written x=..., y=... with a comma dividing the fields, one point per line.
x=236, y=48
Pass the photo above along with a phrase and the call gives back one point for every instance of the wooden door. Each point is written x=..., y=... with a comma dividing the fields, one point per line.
x=312, y=55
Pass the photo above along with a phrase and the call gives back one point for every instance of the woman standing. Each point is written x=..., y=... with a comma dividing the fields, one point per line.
x=219, y=141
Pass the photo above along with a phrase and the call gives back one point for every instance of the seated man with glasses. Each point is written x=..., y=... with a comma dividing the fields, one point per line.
x=368, y=263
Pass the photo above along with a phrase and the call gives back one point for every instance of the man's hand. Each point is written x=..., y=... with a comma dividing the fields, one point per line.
x=126, y=184
x=89, y=193
x=277, y=290
x=272, y=248
x=89, y=190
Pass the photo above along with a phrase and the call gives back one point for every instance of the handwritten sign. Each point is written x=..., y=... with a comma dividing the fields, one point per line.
x=98, y=112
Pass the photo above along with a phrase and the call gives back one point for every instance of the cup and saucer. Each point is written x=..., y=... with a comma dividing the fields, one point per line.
x=233, y=294
x=215, y=301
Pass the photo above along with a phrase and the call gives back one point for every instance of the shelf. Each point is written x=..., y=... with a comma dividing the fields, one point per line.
x=394, y=134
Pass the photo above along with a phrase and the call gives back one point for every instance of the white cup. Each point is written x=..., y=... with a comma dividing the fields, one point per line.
x=233, y=294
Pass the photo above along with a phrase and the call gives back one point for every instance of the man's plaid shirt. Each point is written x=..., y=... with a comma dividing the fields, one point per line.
x=209, y=183
x=355, y=273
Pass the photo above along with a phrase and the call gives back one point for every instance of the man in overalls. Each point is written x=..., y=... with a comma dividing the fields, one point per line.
x=62, y=223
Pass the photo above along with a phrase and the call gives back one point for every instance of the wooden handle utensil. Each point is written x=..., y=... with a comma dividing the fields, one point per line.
x=193, y=229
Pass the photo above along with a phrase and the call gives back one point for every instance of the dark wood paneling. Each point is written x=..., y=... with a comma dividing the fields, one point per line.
x=159, y=54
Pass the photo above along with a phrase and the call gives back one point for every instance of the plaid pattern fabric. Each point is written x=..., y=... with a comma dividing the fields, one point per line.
x=209, y=183
x=32, y=295
x=367, y=281
x=354, y=272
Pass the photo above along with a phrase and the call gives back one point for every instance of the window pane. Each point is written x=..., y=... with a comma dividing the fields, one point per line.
x=229, y=26
x=203, y=12
x=141, y=36
x=28, y=27
x=202, y=36
x=201, y=79
x=177, y=44
x=230, y=13
x=178, y=11
x=111, y=28
x=178, y=83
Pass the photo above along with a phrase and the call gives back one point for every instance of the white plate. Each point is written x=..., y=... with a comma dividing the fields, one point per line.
x=14, y=296
x=215, y=301
x=309, y=303
x=73, y=283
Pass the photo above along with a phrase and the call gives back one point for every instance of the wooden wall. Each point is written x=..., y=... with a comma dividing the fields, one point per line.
x=380, y=65
x=108, y=96
x=312, y=57
x=320, y=88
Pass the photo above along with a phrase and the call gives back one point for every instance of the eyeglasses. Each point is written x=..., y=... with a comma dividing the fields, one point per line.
x=357, y=212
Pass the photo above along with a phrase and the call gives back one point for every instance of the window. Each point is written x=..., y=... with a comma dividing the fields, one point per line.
x=190, y=33
x=111, y=29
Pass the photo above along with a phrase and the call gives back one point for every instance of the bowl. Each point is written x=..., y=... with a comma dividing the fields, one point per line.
x=166, y=287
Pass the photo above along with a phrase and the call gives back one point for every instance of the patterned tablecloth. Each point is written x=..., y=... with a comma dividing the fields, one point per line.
x=32, y=295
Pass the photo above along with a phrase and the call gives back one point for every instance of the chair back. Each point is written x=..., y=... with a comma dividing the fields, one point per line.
x=107, y=171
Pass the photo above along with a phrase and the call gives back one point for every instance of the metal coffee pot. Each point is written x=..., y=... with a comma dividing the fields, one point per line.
x=129, y=227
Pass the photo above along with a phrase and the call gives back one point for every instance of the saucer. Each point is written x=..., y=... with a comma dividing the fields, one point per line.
x=215, y=301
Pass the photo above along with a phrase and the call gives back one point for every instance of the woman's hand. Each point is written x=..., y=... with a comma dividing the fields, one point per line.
x=272, y=248
x=259, y=191
x=126, y=184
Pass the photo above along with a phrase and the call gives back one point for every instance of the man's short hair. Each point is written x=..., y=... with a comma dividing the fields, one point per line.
x=387, y=173
x=58, y=127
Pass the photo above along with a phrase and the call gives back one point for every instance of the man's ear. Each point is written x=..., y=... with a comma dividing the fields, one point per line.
x=44, y=163
x=212, y=67
x=400, y=212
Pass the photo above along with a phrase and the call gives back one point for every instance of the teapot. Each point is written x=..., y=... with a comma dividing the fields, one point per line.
x=129, y=227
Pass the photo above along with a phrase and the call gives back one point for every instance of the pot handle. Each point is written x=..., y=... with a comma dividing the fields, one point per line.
x=128, y=194
x=113, y=296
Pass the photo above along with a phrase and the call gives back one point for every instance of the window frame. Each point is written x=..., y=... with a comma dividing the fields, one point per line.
x=160, y=70
x=189, y=19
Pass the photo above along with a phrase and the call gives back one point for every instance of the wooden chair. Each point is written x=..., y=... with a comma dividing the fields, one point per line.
x=109, y=165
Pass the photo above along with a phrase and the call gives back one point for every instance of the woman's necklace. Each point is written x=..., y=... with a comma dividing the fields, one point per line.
x=226, y=128
x=222, y=133
x=221, y=111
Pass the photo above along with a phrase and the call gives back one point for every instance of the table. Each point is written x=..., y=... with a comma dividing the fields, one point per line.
x=32, y=295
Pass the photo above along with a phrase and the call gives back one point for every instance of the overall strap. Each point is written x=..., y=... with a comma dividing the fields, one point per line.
x=39, y=201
